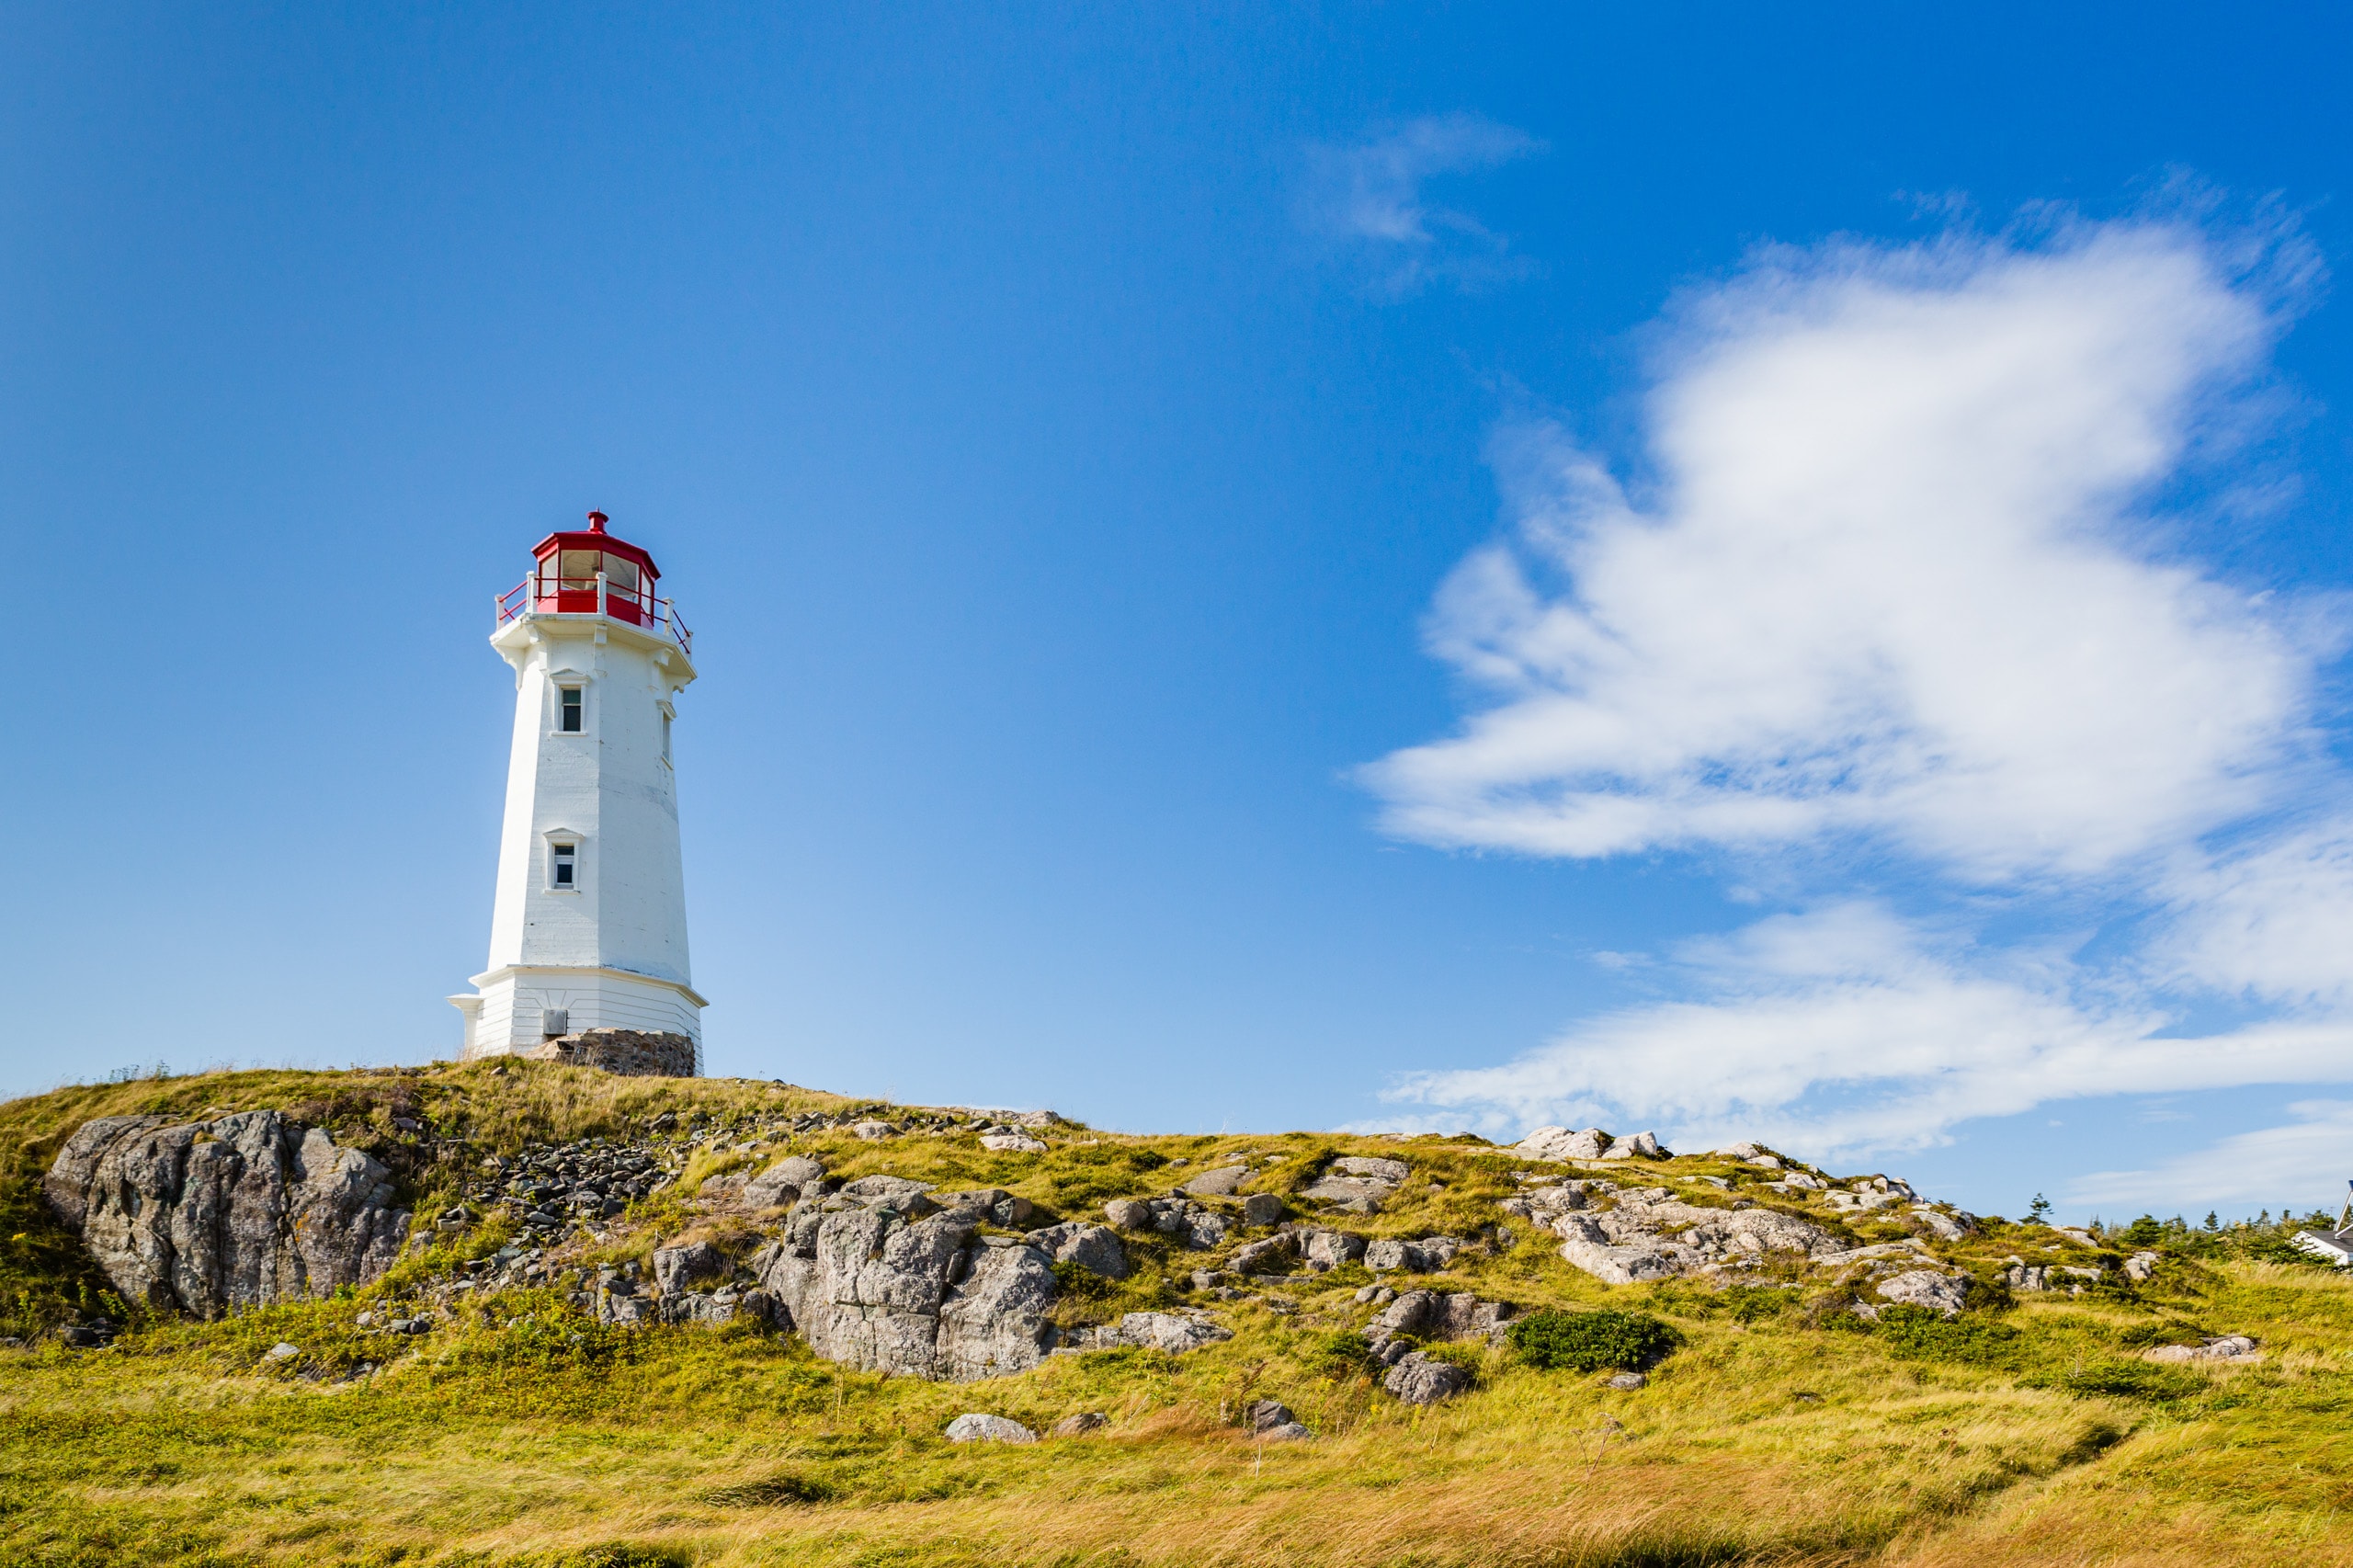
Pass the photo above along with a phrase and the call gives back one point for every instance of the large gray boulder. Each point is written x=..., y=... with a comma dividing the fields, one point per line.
x=1094, y=1248
x=1418, y=1380
x=1423, y=1256
x=1926, y=1287
x=927, y=1298
x=1559, y=1144
x=884, y=1190
x=977, y=1428
x=1222, y=1182
x=1359, y=1194
x=1175, y=1333
x=783, y=1183
x=995, y=1321
x=1429, y=1315
x=211, y=1217
x=1944, y=1227
x=675, y=1267
x=1588, y=1245
x=1326, y=1250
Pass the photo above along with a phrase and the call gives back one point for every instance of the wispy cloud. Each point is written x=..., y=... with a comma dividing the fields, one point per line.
x=2300, y=1166
x=1370, y=195
x=1847, y=1029
x=1890, y=591
x=2271, y=922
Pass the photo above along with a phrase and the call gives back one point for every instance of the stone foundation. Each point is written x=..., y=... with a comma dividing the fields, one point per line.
x=631, y=1052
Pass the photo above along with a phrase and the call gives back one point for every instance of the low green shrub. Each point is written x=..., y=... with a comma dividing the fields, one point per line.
x=1754, y=1303
x=1587, y=1342
x=1922, y=1333
x=1340, y=1355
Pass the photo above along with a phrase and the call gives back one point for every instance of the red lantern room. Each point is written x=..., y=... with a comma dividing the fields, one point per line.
x=591, y=573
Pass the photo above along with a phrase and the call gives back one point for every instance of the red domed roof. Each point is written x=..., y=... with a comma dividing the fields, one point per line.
x=594, y=537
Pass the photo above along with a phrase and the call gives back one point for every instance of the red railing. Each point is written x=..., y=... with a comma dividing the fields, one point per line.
x=546, y=593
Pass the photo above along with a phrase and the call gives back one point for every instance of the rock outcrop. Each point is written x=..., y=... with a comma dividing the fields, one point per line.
x=1223, y=1182
x=1094, y=1248
x=1324, y=1251
x=1351, y=1194
x=1175, y=1333
x=2071, y=1277
x=1928, y=1287
x=1558, y=1143
x=1429, y=1315
x=928, y=1298
x=210, y=1217
x=1649, y=1234
x=1419, y=1379
x=1427, y=1256
x=2235, y=1348
x=1196, y=1225
x=784, y=1183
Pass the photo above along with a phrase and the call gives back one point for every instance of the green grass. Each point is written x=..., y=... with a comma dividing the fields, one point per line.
x=1782, y=1429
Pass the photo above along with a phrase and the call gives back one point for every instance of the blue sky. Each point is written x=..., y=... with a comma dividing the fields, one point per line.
x=1384, y=567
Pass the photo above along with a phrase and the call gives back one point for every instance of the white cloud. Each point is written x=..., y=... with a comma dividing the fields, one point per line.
x=1893, y=592
x=1847, y=1030
x=1371, y=194
x=1889, y=578
x=2304, y=1166
x=2273, y=923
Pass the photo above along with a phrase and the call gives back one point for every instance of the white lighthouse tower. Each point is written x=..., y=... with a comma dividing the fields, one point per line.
x=589, y=930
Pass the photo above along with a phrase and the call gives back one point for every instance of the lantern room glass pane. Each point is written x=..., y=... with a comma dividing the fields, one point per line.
x=620, y=573
x=578, y=568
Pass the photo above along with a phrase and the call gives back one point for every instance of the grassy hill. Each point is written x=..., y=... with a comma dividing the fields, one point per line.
x=1783, y=1429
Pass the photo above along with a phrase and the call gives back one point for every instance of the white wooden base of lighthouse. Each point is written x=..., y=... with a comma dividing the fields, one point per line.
x=512, y=1009
x=588, y=928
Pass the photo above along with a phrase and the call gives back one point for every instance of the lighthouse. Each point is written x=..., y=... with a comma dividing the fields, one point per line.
x=588, y=927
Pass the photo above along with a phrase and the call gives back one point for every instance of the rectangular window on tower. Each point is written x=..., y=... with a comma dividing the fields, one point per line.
x=665, y=736
x=569, y=722
x=562, y=860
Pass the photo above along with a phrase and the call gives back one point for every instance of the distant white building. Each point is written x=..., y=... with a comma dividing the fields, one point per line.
x=588, y=928
x=2337, y=1246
